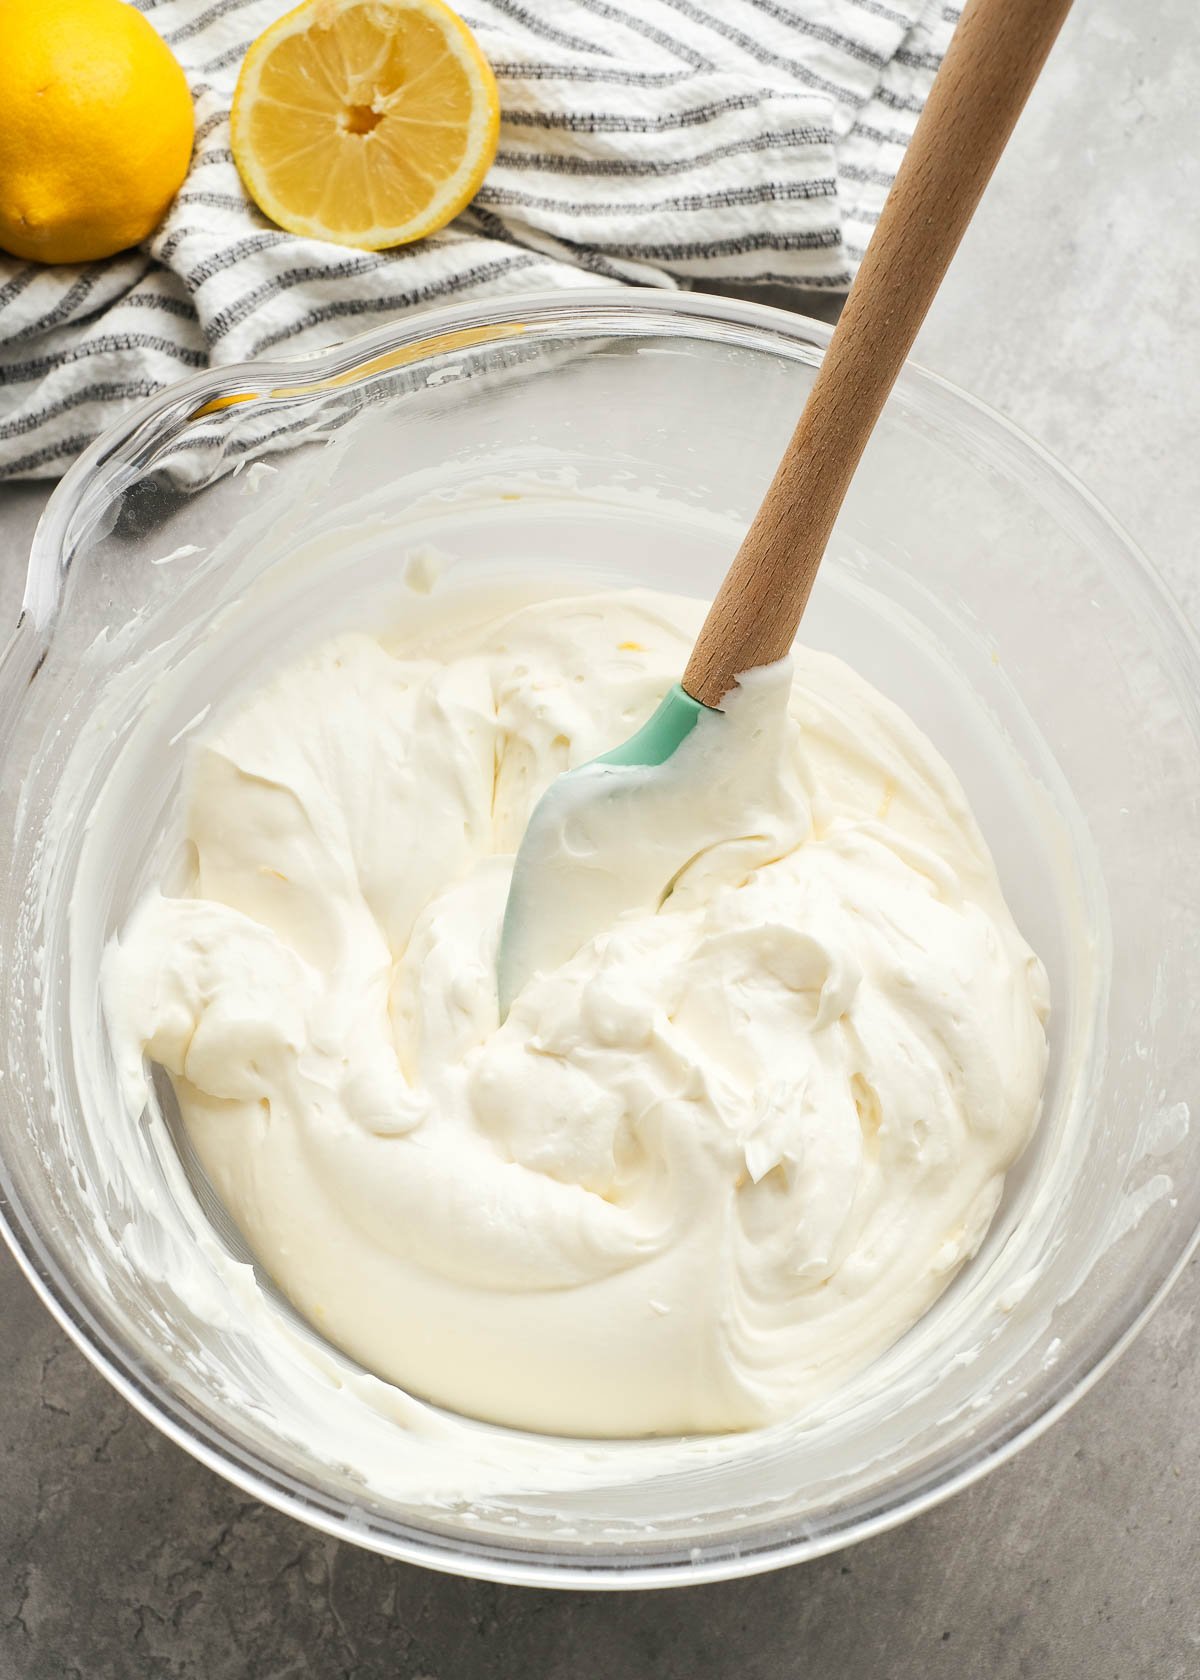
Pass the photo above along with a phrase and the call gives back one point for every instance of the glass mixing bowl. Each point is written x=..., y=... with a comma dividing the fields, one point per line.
x=598, y=438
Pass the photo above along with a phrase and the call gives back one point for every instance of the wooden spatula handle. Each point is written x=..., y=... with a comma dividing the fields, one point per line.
x=985, y=78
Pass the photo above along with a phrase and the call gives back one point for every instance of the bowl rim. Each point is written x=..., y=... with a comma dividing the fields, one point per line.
x=99, y=470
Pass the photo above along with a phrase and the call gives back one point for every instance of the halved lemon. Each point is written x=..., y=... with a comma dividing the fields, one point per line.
x=365, y=122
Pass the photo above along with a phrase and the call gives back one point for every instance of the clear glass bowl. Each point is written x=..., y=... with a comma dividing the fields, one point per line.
x=625, y=436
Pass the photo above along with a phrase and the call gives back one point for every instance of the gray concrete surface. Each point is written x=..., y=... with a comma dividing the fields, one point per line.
x=1075, y=307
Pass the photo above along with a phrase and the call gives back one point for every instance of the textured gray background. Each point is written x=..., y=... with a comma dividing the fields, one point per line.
x=1075, y=308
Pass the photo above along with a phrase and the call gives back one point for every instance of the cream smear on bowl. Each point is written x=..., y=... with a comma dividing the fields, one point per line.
x=705, y=1171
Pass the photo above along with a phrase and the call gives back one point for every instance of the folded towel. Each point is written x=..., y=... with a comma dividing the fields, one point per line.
x=659, y=142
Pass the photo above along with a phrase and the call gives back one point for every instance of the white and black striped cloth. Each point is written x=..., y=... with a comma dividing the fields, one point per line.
x=651, y=141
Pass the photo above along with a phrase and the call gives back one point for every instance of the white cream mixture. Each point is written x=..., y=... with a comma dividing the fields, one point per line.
x=720, y=1159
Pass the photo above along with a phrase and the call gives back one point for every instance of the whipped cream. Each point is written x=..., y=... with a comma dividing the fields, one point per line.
x=718, y=1160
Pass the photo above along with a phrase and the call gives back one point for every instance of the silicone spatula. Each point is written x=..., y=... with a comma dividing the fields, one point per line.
x=985, y=78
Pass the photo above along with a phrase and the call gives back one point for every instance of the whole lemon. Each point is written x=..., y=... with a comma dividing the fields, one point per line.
x=96, y=128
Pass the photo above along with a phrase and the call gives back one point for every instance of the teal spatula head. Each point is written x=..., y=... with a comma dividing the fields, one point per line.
x=671, y=723
x=572, y=877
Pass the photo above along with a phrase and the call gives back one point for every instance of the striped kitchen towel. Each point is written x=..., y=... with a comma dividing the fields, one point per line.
x=659, y=142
